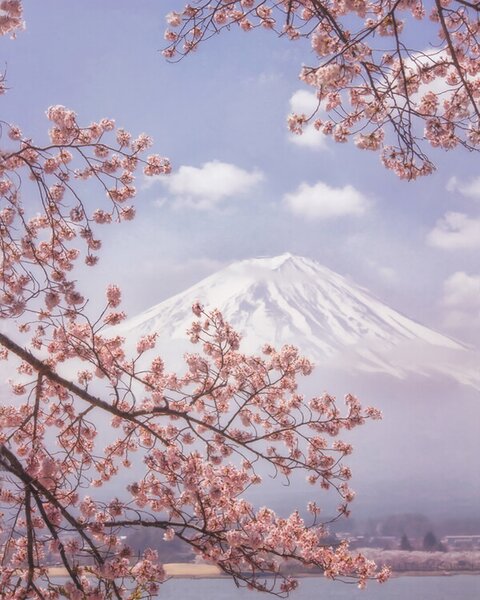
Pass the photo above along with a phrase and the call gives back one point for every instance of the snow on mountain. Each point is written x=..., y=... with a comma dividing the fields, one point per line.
x=294, y=300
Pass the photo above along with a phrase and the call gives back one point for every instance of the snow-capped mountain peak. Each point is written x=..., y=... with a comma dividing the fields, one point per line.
x=292, y=299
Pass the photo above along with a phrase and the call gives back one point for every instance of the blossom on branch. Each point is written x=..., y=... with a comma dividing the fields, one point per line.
x=375, y=88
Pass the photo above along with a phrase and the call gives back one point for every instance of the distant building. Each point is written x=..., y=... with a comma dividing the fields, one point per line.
x=462, y=542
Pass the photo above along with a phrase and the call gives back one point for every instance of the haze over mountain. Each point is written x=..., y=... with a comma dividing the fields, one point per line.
x=293, y=300
x=423, y=455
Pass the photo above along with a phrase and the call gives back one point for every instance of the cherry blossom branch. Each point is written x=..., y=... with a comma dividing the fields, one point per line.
x=379, y=95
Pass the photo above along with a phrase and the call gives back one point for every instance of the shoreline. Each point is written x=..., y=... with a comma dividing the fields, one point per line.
x=178, y=570
x=203, y=571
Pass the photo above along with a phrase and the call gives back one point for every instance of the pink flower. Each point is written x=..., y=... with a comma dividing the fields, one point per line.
x=127, y=213
x=197, y=309
x=156, y=165
x=100, y=216
x=14, y=133
x=174, y=19
x=141, y=143
x=146, y=342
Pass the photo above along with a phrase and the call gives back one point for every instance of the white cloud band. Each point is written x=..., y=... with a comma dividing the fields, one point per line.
x=320, y=201
x=205, y=187
x=455, y=231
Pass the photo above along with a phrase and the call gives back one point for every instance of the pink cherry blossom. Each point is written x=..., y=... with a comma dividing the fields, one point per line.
x=375, y=89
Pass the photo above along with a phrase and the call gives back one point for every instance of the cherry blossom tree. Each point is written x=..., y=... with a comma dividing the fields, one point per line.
x=394, y=75
x=192, y=443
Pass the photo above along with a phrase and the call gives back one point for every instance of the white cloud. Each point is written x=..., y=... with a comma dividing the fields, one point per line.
x=160, y=202
x=455, y=231
x=427, y=58
x=462, y=291
x=320, y=201
x=461, y=299
x=470, y=189
x=387, y=275
x=306, y=103
x=452, y=184
x=205, y=187
x=310, y=138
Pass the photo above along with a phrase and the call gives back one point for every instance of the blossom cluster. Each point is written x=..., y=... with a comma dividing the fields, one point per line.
x=10, y=17
x=45, y=239
x=201, y=437
x=373, y=87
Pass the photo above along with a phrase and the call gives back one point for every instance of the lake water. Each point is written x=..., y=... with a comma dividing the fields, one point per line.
x=456, y=587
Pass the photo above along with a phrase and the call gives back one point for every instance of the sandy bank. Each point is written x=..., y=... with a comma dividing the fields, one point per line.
x=172, y=570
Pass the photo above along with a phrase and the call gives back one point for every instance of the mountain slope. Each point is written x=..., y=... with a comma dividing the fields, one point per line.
x=290, y=299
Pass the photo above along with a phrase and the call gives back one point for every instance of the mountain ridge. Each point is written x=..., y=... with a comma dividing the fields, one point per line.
x=333, y=321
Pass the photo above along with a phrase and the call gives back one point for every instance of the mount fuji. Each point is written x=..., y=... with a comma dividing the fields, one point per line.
x=289, y=299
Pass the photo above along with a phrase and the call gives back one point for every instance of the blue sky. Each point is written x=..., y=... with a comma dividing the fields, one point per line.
x=242, y=187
